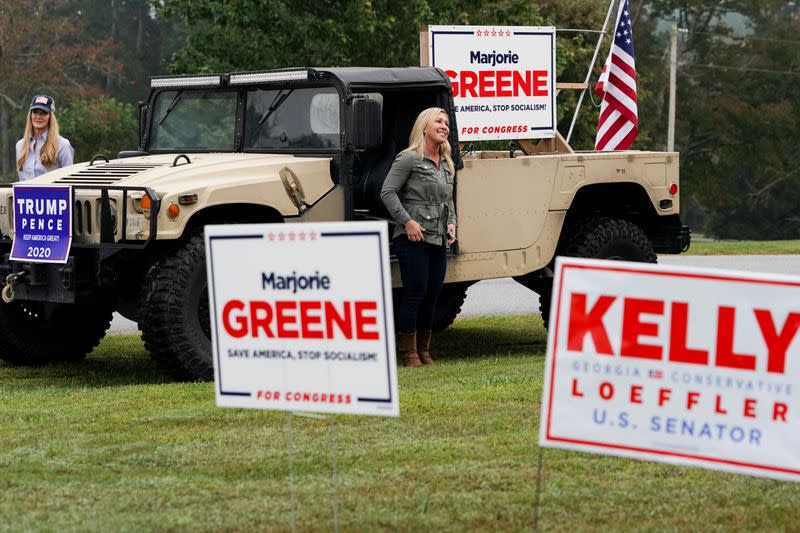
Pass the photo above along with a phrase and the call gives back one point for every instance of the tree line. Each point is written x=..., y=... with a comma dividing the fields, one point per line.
x=736, y=127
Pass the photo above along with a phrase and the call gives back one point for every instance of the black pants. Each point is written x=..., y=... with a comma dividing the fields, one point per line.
x=422, y=269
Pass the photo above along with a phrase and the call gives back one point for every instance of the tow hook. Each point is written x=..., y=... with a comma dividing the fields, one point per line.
x=8, y=290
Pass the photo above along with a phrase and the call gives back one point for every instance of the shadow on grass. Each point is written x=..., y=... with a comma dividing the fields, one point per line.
x=119, y=360
x=491, y=337
x=122, y=360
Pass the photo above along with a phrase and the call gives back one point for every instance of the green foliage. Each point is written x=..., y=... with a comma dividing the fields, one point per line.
x=99, y=126
x=248, y=35
x=137, y=41
x=43, y=50
x=706, y=247
x=738, y=118
x=252, y=35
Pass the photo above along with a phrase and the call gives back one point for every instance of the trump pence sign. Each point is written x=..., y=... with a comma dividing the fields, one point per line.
x=503, y=79
x=42, y=223
x=688, y=366
x=301, y=317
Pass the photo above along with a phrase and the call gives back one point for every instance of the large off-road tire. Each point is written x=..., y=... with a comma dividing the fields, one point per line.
x=545, y=299
x=173, y=312
x=34, y=333
x=447, y=307
x=601, y=238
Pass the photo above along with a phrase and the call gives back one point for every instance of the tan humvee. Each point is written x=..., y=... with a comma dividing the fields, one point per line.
x=306, y=145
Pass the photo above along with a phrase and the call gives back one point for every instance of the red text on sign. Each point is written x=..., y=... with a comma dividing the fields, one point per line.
x=638, y=394
x=499, y=83
x=289, y=319
x=587, y=322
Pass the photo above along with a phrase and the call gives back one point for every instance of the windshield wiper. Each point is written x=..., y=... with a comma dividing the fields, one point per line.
x=170, y=107
x=279, y=99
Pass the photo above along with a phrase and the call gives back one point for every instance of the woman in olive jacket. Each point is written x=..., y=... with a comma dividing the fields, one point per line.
x=418, y=192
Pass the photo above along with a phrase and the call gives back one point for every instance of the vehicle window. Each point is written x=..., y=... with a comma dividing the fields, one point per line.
x=194, y=120
x=292, y=118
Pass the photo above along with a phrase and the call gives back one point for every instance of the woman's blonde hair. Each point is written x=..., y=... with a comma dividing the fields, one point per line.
x=49, y=152
x=416, y=141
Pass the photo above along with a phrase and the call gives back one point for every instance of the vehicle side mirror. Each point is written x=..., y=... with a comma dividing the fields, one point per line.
x=365, y=121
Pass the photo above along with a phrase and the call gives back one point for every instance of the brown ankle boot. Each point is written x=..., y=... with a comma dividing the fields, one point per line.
x=407, y=349
x=423, y=347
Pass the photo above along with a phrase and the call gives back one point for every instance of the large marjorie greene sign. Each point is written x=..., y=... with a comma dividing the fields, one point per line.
x=503, y=79
x=688, y=366
x=301, y=317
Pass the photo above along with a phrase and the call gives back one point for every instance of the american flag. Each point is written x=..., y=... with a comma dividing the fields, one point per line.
x=619, y=115
x=655, y=374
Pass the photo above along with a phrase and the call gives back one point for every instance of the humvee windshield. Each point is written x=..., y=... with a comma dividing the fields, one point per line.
x=274, y=119
x=186, y=119
x=292, y=118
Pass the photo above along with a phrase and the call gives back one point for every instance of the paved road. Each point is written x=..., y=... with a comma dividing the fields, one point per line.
x=507, y=297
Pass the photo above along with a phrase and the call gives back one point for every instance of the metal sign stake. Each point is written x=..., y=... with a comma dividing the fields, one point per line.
x=292, y=490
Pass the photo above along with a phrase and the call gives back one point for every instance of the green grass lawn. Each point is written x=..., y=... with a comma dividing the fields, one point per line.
x=110, y=444
x=706, y=247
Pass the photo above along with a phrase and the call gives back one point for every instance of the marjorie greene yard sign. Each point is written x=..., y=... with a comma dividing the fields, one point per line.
x=689, y=366
x=301, y=317
x=503, y=79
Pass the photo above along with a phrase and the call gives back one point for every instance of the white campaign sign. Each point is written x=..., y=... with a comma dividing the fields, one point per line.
x=503, y=78
x=301, y=317
x=681, y=365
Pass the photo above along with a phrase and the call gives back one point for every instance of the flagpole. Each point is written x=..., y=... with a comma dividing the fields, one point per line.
x=673, y=74
x=591, y=68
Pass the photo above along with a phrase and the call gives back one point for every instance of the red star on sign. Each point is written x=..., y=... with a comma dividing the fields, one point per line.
x=508, y=33
x=291, y=236
x=312, y=236
x=271, y=236
x=302, y=236
x=281, y=236
x=494, y=33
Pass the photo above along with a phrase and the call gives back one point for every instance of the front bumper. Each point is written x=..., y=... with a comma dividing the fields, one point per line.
x=53, y=282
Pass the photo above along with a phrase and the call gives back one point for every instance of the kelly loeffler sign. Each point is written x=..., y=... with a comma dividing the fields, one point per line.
x=301, y=317
x=503, y=78
x=688, y=366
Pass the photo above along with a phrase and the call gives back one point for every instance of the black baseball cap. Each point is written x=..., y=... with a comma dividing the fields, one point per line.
x=43, y=102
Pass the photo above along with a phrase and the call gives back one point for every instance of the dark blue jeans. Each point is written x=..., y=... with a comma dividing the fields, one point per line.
x=422, y=269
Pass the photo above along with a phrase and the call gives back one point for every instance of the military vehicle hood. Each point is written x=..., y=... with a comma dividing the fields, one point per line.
x=167, y=172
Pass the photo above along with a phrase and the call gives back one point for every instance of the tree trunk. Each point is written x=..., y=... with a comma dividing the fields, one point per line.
x=110, y=70
x=6, y=152
x=140, y=30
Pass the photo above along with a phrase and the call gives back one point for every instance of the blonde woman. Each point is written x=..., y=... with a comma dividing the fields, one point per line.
x=41, y=148
x=418, y=192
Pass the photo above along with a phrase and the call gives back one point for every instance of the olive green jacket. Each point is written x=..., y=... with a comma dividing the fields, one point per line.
x=417, y=189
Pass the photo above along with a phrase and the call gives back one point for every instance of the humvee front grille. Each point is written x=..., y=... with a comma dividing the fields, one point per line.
x=82, y=218
x=106, y=173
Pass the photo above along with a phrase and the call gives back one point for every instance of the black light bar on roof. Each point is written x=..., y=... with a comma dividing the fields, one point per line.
x=269, y=76
x=213, y=80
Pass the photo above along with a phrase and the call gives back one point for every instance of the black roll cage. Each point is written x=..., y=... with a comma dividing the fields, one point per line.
x=241, y=90
x=346, y=81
